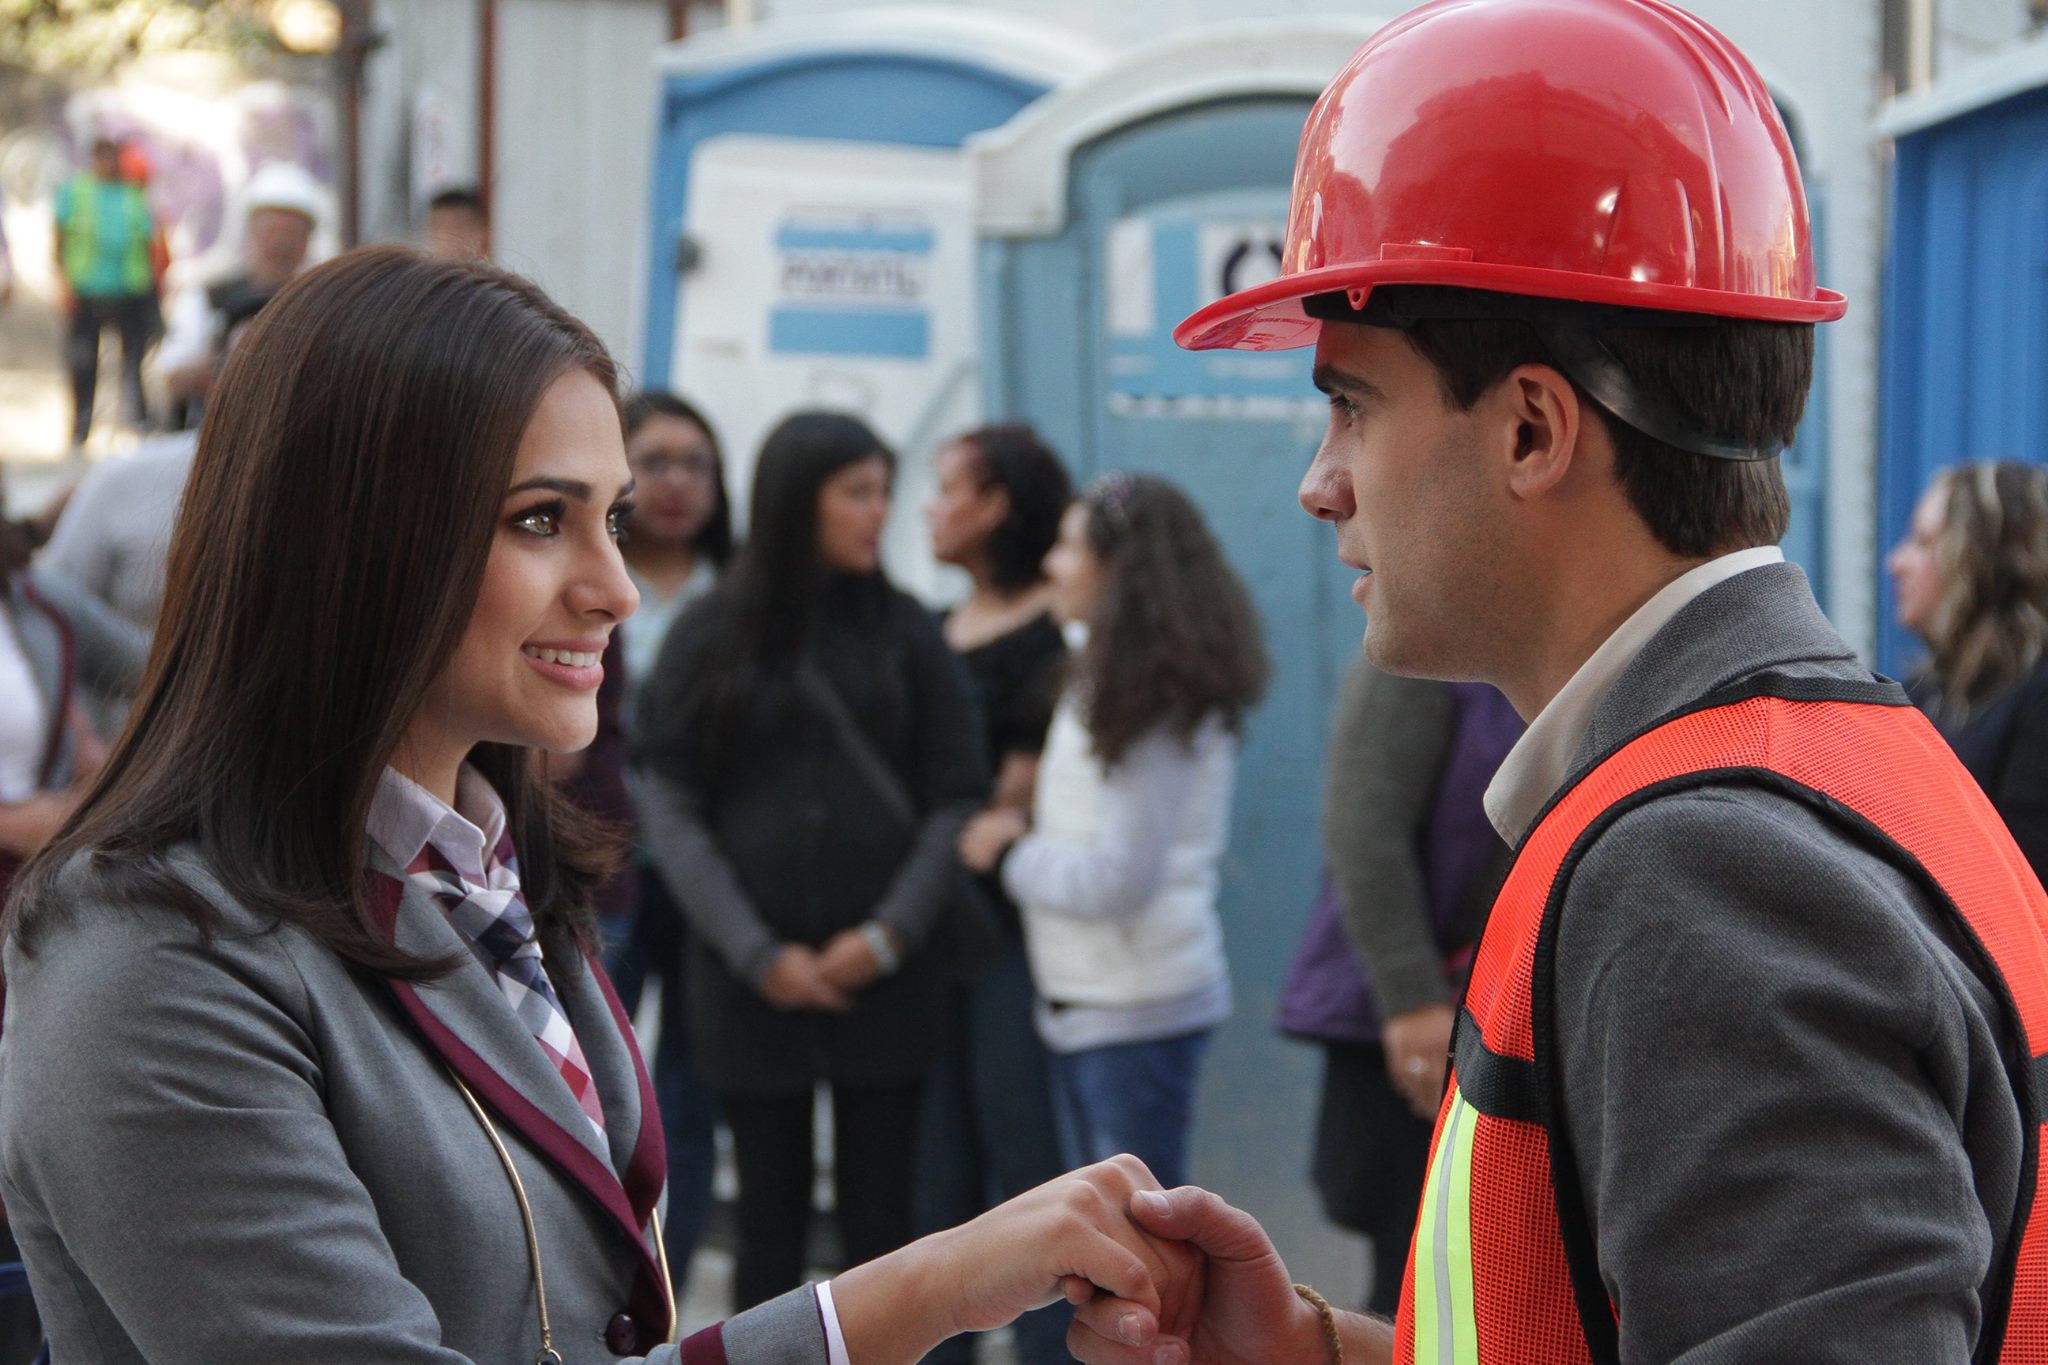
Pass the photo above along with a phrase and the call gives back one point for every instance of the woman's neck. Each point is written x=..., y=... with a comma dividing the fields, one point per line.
x=665, y=567
x=991, y=612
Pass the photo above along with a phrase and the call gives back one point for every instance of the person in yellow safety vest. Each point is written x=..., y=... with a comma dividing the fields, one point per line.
x=104, y=237
x=1750, y=1067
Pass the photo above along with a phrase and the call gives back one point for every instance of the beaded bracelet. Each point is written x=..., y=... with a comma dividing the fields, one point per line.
x=1329, y=1315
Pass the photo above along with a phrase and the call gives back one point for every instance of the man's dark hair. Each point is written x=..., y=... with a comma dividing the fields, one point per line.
x=458, y=197
x=1016, y=459
x=1739, y=380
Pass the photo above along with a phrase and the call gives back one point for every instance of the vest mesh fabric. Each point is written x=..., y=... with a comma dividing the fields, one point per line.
x=1885, y=764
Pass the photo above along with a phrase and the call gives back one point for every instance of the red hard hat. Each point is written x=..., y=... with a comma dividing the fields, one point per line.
x=1600, y=151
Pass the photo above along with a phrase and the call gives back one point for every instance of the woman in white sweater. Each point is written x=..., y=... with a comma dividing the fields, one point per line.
x=1116, y=869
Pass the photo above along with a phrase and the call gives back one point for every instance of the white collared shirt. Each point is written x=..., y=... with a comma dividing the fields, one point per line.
x=1541, y=759
x=405, y=818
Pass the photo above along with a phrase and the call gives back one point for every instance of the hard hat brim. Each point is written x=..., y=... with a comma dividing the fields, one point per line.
x=1269, y=316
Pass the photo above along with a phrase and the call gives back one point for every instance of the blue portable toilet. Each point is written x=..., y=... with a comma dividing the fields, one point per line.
x=1110, y=210
x=812, y=242
x=1965, y=346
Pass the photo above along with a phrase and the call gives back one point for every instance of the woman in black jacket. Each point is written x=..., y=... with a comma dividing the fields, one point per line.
x=1971, y=579
x=809, y=757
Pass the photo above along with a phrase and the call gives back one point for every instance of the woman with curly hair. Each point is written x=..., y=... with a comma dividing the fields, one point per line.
x=1116, y=869
x=1972, y=582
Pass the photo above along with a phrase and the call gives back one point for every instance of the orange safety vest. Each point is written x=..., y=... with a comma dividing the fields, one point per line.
x=1503, y=1267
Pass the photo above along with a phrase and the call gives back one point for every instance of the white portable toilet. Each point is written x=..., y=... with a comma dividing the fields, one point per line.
x=813, y=237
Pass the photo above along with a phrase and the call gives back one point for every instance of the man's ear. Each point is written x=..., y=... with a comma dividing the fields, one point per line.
x=1550, y=428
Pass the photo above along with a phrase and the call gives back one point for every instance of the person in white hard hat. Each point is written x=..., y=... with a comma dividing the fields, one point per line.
x=281, y=207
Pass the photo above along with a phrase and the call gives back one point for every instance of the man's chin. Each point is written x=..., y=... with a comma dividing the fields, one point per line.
x=1388, y=650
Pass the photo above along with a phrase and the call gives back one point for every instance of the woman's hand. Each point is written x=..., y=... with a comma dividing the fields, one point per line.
x=796, y=980
x=987, y=835
x=26, y=825
x=88, y=751
x=1418, y=1047
x=1241, y=1309
x=848, y=960
x=1072, y=1234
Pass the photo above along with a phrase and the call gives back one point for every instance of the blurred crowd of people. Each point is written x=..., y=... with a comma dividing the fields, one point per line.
x=114, y=265
x=957, y=872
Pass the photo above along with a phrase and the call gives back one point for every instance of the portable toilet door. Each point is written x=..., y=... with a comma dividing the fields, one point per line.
x=812, y=240
x=1109, y=211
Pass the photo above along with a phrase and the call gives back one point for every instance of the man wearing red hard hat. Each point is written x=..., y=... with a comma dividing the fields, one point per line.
x=1750, y=1066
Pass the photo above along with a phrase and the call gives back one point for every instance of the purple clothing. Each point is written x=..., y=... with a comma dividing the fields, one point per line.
x=1329, y=993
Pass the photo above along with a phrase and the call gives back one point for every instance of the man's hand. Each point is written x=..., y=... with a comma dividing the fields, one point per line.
x=986, y=836
x=1072, y=1234
x=1248, y=1312
x=1418, y=1046
x=795, y=981
x=848, y=961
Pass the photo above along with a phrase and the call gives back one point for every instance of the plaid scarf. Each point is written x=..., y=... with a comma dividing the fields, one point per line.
x=494, y=920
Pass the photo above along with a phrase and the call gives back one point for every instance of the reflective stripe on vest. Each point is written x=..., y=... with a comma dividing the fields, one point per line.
x=1503, y=1267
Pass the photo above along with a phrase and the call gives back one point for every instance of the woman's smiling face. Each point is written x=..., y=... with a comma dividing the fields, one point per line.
x=526, y=670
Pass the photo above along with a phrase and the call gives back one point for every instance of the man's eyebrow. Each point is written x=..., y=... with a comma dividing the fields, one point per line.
x=1329, y=379
x=573, y=488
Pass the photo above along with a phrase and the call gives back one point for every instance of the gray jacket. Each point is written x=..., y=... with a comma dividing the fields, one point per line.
x=1783, y=1085
x=242, y=1150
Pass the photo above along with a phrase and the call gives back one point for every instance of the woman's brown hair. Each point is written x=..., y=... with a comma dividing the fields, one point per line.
x=1175, y=636
x=1990, y=625
x=328, y=552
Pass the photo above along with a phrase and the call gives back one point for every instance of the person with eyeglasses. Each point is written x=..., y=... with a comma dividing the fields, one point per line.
x=678, y=543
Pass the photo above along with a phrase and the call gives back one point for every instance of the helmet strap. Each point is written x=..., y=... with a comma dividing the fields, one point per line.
x=1570, y=332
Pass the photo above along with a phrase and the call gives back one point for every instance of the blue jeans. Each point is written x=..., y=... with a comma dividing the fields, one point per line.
x=1130, y=1097
x=654, y=945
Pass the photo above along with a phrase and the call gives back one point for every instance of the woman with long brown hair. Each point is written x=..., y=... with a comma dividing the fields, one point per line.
x=1971, y=577
x=1116, y=869
x=807, y=756
x=308, y=1056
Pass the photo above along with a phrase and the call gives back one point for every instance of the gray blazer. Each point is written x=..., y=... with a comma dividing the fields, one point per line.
x=243, y=1150
x=1783, y=1085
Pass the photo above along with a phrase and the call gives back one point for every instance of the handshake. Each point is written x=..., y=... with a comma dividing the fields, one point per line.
x=1157, y=1277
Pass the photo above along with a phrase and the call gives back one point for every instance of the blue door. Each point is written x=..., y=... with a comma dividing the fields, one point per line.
x=1965, y=346
x=1164, y=216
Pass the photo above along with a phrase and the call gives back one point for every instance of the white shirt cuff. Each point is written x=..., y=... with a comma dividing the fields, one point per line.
x=835, y=1340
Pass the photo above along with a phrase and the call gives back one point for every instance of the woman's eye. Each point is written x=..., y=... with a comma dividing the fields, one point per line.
x=619, y=523
x=541, y=521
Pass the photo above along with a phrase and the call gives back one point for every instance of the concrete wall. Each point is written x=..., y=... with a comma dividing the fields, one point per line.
x=419, y=111
x=570, y=196
x=573, y=128
x=1965, y=30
